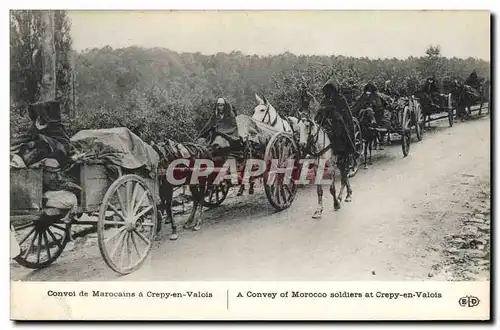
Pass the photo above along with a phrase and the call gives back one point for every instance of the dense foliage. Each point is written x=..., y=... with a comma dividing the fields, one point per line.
x=161, y=93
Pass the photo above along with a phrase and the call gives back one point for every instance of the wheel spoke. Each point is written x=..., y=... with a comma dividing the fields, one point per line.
x=132, y=238
x=58, y=227
x=118, y=232
x=217, y=199
x=110, y=222
x=45, y=238
x=26, y=237
x=283, y=194
x=144, y=195
x=128, y=196
x=118, y=243
x=276, y=191
x=54, y=238
x=117, y=212
x=288, y=189
x=210, y=197
x=125, y=255
x=120, y=200
x=134, y=196
x=38, y=247
x=143, y=212
x=30, y=246
x=141, y=236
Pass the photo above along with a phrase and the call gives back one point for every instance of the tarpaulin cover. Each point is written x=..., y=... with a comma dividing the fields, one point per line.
x=118, y=146
x=233, y=132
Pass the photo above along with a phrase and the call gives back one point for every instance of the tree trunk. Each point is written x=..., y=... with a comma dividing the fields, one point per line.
x=48, y=83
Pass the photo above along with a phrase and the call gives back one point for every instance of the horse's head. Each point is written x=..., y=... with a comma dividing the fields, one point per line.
x=264, y=111
x=366, y=117
x=307, y=129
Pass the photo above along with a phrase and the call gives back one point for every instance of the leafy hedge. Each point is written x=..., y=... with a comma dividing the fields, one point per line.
x=159, y=93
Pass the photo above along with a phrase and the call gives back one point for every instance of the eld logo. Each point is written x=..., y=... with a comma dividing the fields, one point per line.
x=468, y=301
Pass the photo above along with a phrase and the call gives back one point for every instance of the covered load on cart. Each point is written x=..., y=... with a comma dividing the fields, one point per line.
x=106, y=179
x=233, y=136
x=243, y=138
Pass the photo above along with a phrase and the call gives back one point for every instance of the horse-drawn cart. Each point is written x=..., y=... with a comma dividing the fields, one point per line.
x=443, y=109
x=118, y=199
x=408, y=116
x=242, y=138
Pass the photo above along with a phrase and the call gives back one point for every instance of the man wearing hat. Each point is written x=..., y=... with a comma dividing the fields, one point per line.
x=431, y=90
x=223, y=109
x=46, y=138
x=48, y=145
x=380, y=103
x=336, y=118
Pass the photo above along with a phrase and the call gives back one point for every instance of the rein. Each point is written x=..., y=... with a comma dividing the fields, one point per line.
x=312, y=140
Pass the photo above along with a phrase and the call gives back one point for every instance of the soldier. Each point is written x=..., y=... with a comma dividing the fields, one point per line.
x=223, y=109
x=380, y=103
x=336, y=118
x=473, y=80
x=305, y=99
x=431, y=90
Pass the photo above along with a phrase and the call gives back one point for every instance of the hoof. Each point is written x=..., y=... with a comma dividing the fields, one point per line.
x=196, y=228
x=365, y=167
x=336, y=207
x=250, y=192
x=239, y=193
x=186, y=226
x=317, y=214
x=348, y=199
x=174, y=237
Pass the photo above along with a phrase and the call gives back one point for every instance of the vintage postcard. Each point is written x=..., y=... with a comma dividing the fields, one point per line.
x=250, y=165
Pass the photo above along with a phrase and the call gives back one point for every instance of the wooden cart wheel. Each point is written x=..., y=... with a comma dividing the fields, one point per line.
x=419, y=121
x=127, y=223
x=279, y=192
x=214, y=195
x=358, y=144
x=41, y=241
x=406, y=131
x=450, y=110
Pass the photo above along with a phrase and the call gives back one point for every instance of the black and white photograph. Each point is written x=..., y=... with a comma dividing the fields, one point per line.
x=240, y=146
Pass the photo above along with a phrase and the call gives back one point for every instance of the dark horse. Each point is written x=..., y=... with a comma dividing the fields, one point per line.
x=170, y=151
x=369, y=132
x=465, y=96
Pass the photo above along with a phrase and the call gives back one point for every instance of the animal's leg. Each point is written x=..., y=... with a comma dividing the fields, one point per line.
x=319, y=211
x=251, y=190
x=242, y=189
x=199, y=220
x=348, y=198
x=336, y=202
x=381, y=141
x=192, y=215
x=169, y=213
x=365, y=152
x=342, y=166
x=370, y=147
x=345, y=175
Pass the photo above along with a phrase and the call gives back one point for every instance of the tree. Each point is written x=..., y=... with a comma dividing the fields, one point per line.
x=432, y=64
x=26, y=61
x=64, y=62
x=48, y=54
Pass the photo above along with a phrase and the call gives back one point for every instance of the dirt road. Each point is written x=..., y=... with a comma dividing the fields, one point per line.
x=425, y=216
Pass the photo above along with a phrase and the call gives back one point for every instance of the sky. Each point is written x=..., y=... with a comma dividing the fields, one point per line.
x=373, y=34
